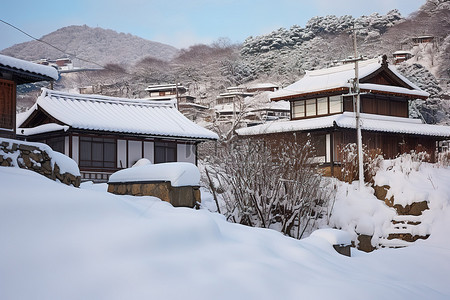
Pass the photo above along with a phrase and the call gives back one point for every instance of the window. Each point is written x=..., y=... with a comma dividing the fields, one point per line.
x=322, y=106
x=310, y=107
x=57, y=144
x=165, y=152
x=335, y=104
x=97, y=152
x=320, y=145
x=299, y=109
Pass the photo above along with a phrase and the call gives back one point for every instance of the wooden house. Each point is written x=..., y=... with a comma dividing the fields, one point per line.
x=186, y=103
x=401, y=56
x=424, y=39
x=322, y=106
x=14, y=72
x=262, y=87
x=165, y=91
x=104, y=134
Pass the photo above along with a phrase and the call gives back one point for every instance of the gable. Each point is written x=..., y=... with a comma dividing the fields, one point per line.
x=384, y=76
x=39, y=117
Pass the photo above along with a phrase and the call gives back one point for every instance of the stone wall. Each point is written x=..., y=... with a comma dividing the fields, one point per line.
x=184, y=196
x=23, y=155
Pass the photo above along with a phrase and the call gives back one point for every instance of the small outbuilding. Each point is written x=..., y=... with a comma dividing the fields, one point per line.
x=177, y=183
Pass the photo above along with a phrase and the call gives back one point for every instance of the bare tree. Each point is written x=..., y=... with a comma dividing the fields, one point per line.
x=270, y=183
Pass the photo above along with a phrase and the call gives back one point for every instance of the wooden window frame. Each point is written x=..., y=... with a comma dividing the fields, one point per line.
x=95, y=163
x=164, y=146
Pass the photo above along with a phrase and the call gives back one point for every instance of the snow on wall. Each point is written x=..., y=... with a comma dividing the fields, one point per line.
x=178, y=173
x=39, y=158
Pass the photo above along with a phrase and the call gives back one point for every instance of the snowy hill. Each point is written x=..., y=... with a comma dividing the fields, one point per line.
x=95, y=44
x=60, y=242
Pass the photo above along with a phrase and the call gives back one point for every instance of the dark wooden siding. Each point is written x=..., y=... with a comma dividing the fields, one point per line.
x=7, y=108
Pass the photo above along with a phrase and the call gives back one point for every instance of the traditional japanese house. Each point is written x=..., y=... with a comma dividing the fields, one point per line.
x=322, y=106
x=186, y=103
x=401, y=56
x=14, y=72
x=166, y=91
x=104, y=134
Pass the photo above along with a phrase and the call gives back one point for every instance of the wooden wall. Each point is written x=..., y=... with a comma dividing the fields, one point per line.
x=7, y=108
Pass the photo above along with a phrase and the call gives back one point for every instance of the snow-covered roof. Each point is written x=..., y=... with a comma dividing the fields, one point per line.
x=278, y=105
x=399, y=52
x=50, y=127
x=27, y=66
x=165, y=87
x=338, y=78
x=369, y=122
x=263, y=85
x=132, y=116
x=178, y=173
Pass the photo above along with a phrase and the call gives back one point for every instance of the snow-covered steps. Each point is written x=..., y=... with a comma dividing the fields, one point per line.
x=393, y=243
x=405, y=230
x=407, y=219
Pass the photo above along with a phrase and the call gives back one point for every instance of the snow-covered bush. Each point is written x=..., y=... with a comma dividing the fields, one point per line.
x=372, y=159
x=271, y=184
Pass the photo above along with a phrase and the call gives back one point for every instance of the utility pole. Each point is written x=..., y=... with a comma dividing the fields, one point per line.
x=357, y=99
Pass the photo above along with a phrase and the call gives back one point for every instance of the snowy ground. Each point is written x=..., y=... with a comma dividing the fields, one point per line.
x=59, y=242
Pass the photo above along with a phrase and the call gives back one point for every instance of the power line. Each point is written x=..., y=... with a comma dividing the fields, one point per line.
x=54, y=47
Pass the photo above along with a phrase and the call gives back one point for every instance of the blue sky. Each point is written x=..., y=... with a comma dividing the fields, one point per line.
x=181, y=23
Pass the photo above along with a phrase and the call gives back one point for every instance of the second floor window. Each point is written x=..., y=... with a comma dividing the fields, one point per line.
x=317, y=107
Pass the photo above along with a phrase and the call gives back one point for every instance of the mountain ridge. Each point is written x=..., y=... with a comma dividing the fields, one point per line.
x=96, y=44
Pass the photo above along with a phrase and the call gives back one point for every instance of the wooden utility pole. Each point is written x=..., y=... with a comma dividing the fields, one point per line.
x=355, y=92
x=357, y=99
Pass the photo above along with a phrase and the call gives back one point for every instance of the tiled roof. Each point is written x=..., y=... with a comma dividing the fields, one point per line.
x=369, y=122
x=132, y=116
x=339, y=76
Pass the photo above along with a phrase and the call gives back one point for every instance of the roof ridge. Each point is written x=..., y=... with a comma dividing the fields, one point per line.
x=107, y=99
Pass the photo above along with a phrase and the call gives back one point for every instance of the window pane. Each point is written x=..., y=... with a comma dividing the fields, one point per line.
x=320, y=145
x=97, y=151
x=85, y=150
x=109, y=152
x=335, y=104
x=299, y=109
x=171, y=155
x=310, y=107
x=322, y=106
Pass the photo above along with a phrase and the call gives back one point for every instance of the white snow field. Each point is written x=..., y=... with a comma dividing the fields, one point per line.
x=60, y=242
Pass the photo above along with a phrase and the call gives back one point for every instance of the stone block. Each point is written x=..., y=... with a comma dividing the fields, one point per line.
x=25, y=148
x=415, y=209
x=36, y=156
x=365, y=243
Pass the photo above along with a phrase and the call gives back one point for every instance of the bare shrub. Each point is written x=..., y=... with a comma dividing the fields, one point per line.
x=444, y=159
x=270, y=183
x=349, y=166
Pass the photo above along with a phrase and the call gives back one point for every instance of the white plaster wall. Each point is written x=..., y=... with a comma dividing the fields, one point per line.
x=134, y=152
x=121, y=153
x=75, y=149
x=328, y=148
x=149, y=151
x=186, y=153
x=66, y=146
